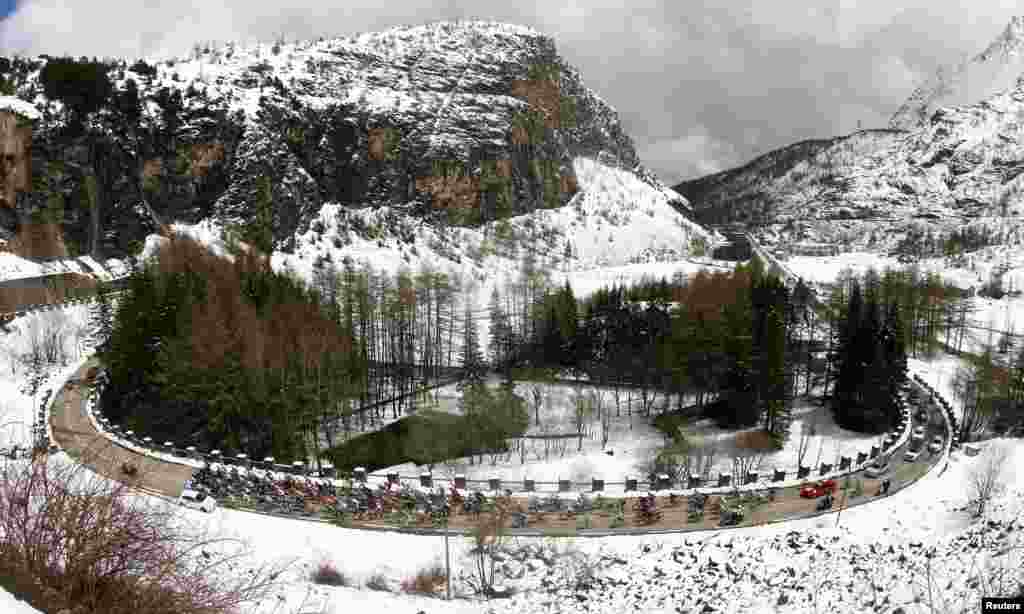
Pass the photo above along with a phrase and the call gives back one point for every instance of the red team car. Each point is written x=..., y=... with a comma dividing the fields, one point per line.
x=817, y=489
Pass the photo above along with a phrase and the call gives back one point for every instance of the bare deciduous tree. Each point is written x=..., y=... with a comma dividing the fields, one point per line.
x=597, y=403
x=986, y=476
x=583, y=408
x=751, y=449
x=539, y=396
x=971, y=386
x=808, y=430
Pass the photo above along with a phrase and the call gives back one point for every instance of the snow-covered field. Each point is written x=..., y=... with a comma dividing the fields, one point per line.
x=633, y=440
x=971, y=270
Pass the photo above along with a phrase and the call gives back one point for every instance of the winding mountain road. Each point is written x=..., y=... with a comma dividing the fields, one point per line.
x=76, y=435
x=74, y=432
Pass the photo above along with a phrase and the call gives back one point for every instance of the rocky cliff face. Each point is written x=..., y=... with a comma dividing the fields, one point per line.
x=962, y=167
x=467, y=122
x=15, y=152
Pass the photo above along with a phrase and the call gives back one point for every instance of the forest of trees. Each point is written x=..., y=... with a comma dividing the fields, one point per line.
x=989, y=387
x=721, y=338
x=208, y=351
x=741, y=345
x=228, y=354
x=870, y=361
x=225, y=354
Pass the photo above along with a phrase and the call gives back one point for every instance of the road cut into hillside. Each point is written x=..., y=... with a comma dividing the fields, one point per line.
x=77, y=436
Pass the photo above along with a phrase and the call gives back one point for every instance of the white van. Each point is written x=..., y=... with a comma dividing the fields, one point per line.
x=197, y=500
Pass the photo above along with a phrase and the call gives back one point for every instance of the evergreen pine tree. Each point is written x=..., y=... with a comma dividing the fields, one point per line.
x=773, y=375
x=551, y=343
x=102, y=316
x=473, y=369
x=849, y=358
x=501, y=335
x=259, y=232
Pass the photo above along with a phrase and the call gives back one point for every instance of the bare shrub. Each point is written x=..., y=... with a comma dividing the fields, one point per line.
x=995, y=570
x=47, y=334
x=751, y=449
x=687, y=455
x=985, y=478
x=94, y=547
x=576, y=569
x=489, y=535
x=328, y=575
x=427, y=580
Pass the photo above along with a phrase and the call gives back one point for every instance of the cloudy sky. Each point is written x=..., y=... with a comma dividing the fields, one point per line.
x=700, y=86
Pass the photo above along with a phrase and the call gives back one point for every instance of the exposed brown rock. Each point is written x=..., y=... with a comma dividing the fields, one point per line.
x=152, y=168
x=451, y=192
x=520, y=136
x=543, y=95
x=568, y=184
x=377, y=140
x=39, y=241
x=202, y=156
x=15, y=158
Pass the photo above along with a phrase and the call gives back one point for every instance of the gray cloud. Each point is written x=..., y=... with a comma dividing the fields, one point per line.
x=699, y=85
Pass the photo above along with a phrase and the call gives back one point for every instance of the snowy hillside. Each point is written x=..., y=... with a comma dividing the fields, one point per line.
x=998, y=68
x=872, y=190
x=615, y=219
x=898, y=192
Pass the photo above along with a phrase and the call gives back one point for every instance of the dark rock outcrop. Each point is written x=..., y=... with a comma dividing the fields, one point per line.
x=467, y=121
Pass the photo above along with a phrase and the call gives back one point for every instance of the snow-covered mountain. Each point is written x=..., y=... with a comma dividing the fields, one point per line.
x=452, y=123
x=961, y=169
x=998, y=68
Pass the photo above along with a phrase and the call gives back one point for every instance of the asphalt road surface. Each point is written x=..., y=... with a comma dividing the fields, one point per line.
x=76, y=435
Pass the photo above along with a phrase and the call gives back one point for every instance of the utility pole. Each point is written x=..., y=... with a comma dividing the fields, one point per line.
x=447, y=560
x=846, y=493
